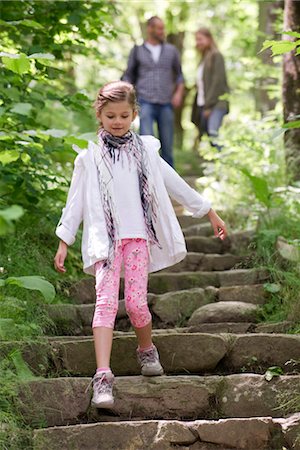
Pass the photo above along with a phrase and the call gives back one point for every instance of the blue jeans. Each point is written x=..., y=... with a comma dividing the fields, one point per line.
x=212, y=124
x=163, y=115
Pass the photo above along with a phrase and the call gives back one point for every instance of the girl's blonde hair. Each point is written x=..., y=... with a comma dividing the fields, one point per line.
x=115, y=91
x=207, y=54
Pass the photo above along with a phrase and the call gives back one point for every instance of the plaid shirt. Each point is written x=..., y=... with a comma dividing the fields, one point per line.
x=154, y=82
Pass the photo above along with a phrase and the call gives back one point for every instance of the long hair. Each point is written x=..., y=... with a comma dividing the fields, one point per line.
x=213, y=48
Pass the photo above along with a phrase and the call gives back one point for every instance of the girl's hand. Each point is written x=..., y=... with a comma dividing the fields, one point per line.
x=218, y=224
x=60, y=257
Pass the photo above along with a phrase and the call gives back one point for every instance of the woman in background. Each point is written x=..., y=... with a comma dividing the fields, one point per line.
x=209, y=107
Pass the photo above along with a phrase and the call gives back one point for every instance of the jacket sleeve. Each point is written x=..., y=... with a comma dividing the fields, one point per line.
x=72, y=214
x=130, y=73
x=179, y=190
x=217, y=83
x=177, y=68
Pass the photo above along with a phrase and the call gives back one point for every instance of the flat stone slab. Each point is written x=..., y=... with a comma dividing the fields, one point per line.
x=264, y=350
x=204, y=262
x=200, y=229
x=261, y=433
x=202, y=244
x=253, y=293
x=251, y=395
x=181, y=351
x=222, y=327
x=204, y=353
x=162, y=282
x=63, y=401
x=187, y=221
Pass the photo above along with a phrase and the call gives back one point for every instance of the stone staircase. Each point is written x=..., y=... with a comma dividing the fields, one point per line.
x=214, y=394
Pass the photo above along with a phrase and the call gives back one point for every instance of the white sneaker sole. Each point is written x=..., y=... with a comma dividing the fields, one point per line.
x=152, y=372
x=104, y=405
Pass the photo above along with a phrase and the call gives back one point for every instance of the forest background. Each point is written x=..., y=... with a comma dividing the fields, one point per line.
x=54, y=57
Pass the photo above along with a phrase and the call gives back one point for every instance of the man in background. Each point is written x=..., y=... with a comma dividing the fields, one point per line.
x=155, y=69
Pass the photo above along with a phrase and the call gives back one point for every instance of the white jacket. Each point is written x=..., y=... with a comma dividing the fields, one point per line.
x=84, y=205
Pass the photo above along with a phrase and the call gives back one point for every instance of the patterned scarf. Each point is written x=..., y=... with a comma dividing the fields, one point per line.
x=109, y=149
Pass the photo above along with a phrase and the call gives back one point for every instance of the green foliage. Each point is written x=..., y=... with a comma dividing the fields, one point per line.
x=32, y=283
x=283, y=46
x=7, y=218
x=38, y=39
x=14, y=434
x=272, y=372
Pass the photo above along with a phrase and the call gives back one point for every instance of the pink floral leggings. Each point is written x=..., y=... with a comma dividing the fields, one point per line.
x=135, y=255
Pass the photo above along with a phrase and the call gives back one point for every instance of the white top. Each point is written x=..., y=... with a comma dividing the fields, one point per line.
x=155, y=51
x=200, y=85
x=128, y=198
x=84, y=205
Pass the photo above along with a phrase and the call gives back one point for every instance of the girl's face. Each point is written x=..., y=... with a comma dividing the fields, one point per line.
x=116, y=117
x=202, y=42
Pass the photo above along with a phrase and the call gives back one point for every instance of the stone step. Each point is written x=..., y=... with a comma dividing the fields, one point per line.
x=199, y=229
x=239, y=327
x=66, y=401
x=236, y=243
x=160, y=283
x=205, y=262
x=261, y=433
x=180, y=353
x=207, y=353
x=170, y=308
x=188, y=220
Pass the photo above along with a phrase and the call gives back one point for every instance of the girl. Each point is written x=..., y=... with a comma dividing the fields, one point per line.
x=209, y=109
x=119, y=190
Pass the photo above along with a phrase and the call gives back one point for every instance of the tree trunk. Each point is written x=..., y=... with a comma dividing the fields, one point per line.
x=291, y=91
x=268, y=12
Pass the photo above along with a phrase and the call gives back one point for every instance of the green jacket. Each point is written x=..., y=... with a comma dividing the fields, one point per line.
x=215, y=85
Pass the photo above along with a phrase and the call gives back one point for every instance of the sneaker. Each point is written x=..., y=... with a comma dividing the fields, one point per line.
x=102, y=387
x=149, y=361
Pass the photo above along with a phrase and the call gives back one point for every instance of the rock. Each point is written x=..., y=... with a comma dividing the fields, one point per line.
x=160, y=283
x=200, y=229
x=257, y=433
x=83, y=291
x=98, y=436
x=263, y=350
x=261, y=433
x=202, y=244
x=278, y=327
x=291, y=430
x=177, y=307
x=254, y=293
x=241, y=240
x=224, y=312
x=62, y=401
x=242, y=276
x=251, y=394
x=66, y=319
x=187, y=221
x=56, y=401
x=205, y=351
x=222, y=327
x=35, y=353
x=205, y=262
